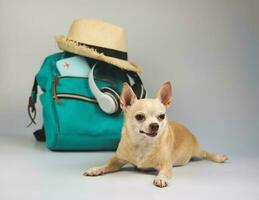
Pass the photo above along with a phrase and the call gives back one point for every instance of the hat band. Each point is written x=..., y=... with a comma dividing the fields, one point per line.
x=108, y=52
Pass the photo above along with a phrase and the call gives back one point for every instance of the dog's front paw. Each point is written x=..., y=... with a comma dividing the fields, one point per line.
x=95, y=171
x=160, y=181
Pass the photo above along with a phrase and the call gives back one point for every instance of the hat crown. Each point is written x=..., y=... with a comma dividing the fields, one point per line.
x=98, y=33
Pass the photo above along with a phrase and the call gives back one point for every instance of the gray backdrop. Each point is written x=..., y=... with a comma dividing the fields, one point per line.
x=208, y=49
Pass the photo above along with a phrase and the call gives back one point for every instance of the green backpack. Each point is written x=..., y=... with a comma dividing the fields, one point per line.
x=72, y=118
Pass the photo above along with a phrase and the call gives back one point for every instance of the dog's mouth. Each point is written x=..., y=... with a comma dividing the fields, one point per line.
x=151, y=134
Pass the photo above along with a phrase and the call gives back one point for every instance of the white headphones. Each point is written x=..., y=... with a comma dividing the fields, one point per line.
x=108, y=99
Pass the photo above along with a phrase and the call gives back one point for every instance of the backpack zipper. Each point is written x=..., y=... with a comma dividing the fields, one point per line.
x=58, y=96
x=74, y=96
x=54, y=89
x=96, y=78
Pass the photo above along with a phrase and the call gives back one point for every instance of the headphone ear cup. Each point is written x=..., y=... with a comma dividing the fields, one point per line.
x=114, y=95
x=139, y=91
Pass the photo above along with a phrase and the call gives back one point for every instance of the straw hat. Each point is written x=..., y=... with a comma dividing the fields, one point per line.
x=99, y=40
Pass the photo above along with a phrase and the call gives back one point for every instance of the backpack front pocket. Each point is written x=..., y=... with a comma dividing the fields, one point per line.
x=78, y=112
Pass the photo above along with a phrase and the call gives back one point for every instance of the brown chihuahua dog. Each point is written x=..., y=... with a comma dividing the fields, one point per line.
x=150, y=141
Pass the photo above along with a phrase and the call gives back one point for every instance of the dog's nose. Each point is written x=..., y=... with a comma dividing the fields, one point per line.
x=154, y=127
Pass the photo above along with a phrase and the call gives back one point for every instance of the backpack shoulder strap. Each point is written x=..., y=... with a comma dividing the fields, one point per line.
x=40, y=133
x=31, y=103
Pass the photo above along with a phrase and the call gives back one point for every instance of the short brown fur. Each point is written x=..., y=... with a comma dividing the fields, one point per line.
x=174, y=145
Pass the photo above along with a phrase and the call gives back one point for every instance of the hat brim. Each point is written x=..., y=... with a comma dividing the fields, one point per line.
x=74, y=47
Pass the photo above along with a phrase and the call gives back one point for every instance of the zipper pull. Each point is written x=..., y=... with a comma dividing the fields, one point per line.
x=54, y=89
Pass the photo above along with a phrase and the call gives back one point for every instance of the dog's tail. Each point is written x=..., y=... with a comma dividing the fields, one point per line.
x=215, y=157
x=202, y=154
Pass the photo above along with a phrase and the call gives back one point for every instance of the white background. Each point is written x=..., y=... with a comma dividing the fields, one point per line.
x=208, y=49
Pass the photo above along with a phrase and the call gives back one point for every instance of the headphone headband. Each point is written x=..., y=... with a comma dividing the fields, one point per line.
x=135, y=77
x=107, y=98
x=137, y=87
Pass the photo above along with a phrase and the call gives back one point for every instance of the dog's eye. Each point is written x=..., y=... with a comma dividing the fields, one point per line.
x=161, y=117
x=140, y=117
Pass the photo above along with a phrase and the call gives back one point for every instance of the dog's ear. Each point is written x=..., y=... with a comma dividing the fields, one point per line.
x=165, y=94
x=127, y=97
